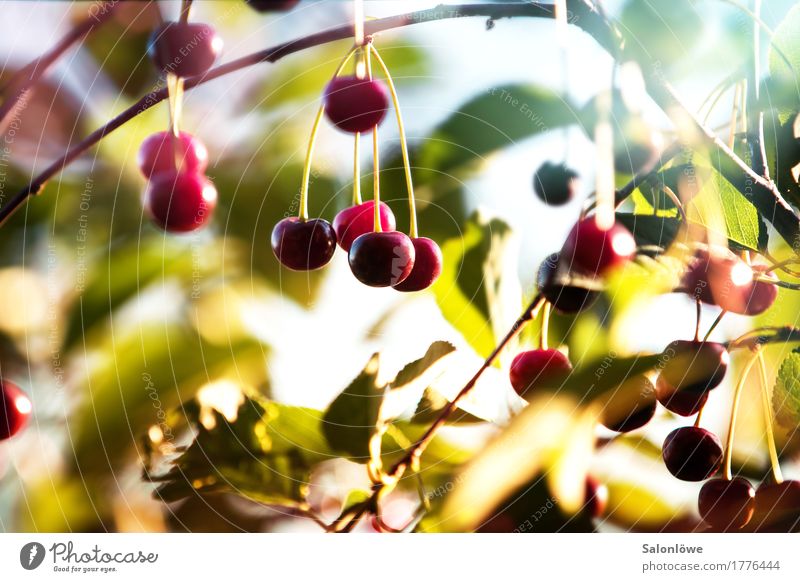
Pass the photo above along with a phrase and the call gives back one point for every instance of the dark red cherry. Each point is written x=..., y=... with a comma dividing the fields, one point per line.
x=272, y=5
x=382, y=259
x=352, y=222
x=629, y=406
x=692, y=453
x=180, y=201
x=762, y=294
x=356, y=105
x=689, y=370
x=594, y=250
x=538, y=369
x=184, y=48
x=727, y=505
x=163, y=152
x=427, y=266
x=15, y=409
x=564, y=298
x=554, y=184
x=777, y=506
x=303, y=245
x=596, y=497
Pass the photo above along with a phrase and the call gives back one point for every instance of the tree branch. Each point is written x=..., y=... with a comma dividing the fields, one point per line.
x=270, y=55
x=24, y=79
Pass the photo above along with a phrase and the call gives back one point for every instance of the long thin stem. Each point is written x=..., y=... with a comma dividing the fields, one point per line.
x=545, y=326
x=312, y=140
x=737, y=393
x=771, y=448
x=356, y=169
x=714, y=325
x=412, y=209
x=755, y=129
x=25, y=78
x=186, y=9
x=376, y=181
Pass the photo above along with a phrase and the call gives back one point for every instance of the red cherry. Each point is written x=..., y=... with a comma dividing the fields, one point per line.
x=555, y=184
x=184, y=48
x=692, y=453
x=629, y=406
x=15, y=409
x=727, y=505
x=356, y=105
x=180, y=201
x=427, y=266
x=163, y=152
x=563, y=298
x=689, y=370
x=352, y=222
x=303, y=245
x=777, y=506
x=382, y=259
x=538, y=368
x=762, y=293
x=594, y=250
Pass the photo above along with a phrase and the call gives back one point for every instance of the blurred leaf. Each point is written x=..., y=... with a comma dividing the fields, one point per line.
x=422, y=371
x=650, y=230
x=553, y=433
x=784, y=59
x=662, y=32
x=265, y=453
x=352, y=417
x=632, y=506
x=135, y=376
x=477, y=283
x=591, y=379
x=786, y=395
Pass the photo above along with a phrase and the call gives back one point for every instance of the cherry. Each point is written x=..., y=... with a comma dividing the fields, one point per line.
x=180, y=201
x=564, y=298
x=15, y=409
x=184, y=48
x=427, y=266
x=352, y=222
x=303, y=245
x=692, y=453
x=629, y=406
x=382, y=259
x=726, y=504
x=272, y=5
x=554, y=183
x=689, y=371
x=777, y=506
x=163, y=152
x=721, y=278
x=595, y=250
x=356, y=105
x=538, y=368
x=596, y=498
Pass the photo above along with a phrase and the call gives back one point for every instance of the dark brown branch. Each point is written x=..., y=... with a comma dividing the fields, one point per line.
x=23, y=80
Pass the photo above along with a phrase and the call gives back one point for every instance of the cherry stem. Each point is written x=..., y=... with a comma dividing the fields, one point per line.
x=714, y=325
x=18, y=87
x=312, y=140
x=771, y=448
x=699, y=416
x=186, y=9
x=412, y=208
x=699, y=313
x=356, y=169
x=737, y=393
x=545, y=326
x=376, y=164
x=676, y=201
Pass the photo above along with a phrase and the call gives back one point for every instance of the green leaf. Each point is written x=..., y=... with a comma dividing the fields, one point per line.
x=649, y=230
x=478, y=291
x=786, y=395
x=497, y=118
x=632, y=506
x=352, y=417
x=591, y=379
x=662, y=32
x=431, y=405
x=424, y=367
x=264, y=452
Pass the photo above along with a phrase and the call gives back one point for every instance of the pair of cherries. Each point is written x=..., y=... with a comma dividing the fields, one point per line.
x=15, y=409
x=179, y=197
x=379, y=259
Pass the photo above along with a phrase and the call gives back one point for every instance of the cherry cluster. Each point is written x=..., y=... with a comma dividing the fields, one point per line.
x=179, y=197
x=378, y=254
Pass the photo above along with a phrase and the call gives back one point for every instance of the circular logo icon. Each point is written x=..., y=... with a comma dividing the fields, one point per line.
x=31, y=555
